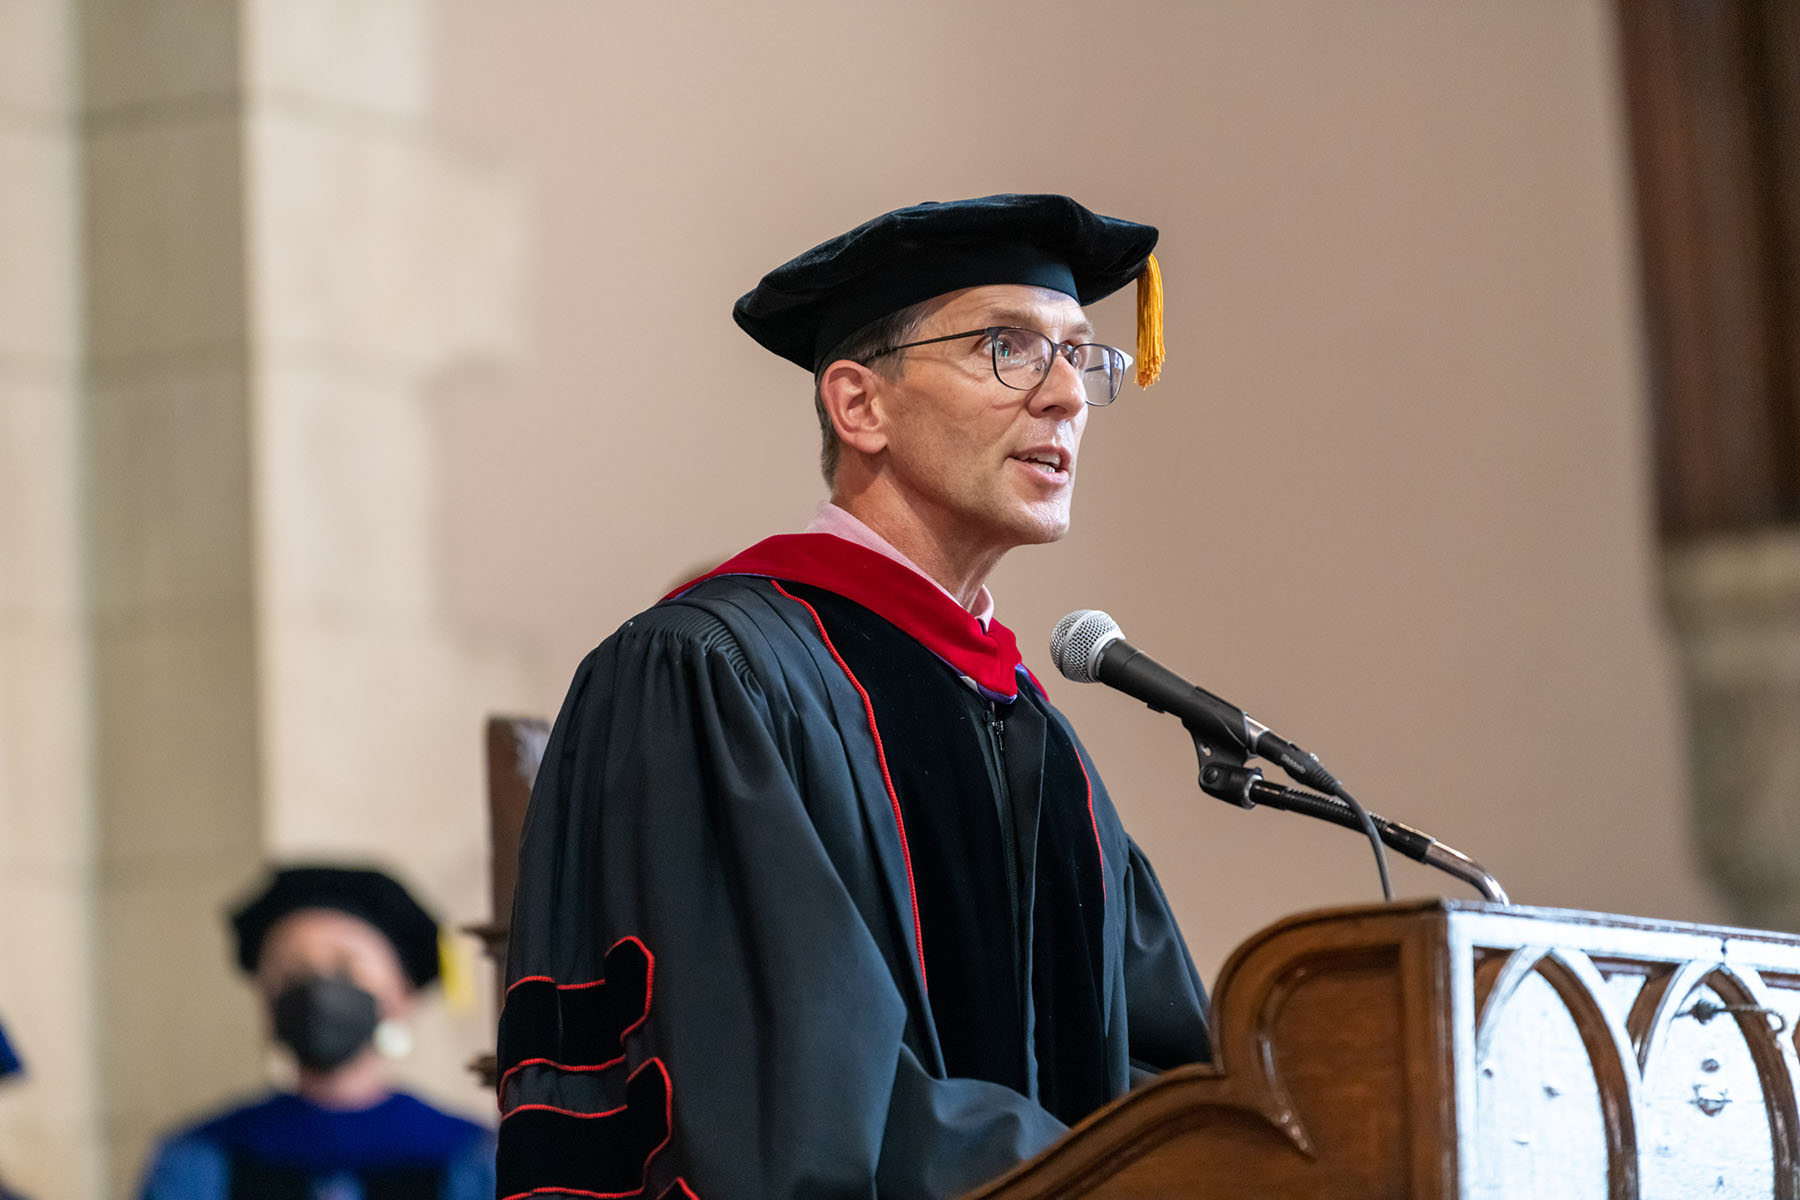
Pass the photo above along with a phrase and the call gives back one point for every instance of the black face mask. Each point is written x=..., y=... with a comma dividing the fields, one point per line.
x=324, y=1020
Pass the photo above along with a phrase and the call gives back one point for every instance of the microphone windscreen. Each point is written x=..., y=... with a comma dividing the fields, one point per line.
x=1076, y=638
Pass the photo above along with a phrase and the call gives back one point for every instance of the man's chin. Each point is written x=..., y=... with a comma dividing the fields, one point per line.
x=1022, y=525
x=1043, y=531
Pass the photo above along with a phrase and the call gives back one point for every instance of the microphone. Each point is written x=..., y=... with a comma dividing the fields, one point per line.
x=1088, y=646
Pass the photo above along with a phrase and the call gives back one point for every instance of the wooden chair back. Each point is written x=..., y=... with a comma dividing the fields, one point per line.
x=515, y=748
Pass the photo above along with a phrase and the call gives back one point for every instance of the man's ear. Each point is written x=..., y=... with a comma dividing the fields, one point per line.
x=851, y=394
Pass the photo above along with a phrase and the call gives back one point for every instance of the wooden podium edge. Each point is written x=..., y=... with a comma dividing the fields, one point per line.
x=1193, y=1097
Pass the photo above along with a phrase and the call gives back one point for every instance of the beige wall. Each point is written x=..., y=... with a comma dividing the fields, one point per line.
x=1390, y=495
x=463, y=392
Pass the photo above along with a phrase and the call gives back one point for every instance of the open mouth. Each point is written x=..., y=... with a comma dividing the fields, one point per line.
x=1049, y=461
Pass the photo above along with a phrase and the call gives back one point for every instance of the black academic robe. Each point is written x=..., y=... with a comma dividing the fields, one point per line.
x=810, y=905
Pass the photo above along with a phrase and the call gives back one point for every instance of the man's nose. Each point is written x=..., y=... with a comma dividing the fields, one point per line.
x=1062, y=389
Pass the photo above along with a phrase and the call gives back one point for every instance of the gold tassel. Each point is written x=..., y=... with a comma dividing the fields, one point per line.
x=1150, y=323
x=454, y=972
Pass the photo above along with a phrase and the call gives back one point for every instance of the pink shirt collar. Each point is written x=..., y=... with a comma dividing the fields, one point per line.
x=839, y=523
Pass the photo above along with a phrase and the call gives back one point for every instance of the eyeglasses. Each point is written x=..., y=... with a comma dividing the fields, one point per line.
x=1022, y=359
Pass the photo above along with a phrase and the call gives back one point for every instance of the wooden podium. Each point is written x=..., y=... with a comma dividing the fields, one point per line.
x=1444, y=1049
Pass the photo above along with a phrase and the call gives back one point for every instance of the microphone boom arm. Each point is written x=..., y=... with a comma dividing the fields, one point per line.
x=1245, y=787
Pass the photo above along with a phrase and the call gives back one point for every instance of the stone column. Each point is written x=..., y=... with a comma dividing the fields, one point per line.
x=171, y=558
x=49, y=1131
x=1736, y=608
x=240, y=273
x=1714, y=92
x=384, y=283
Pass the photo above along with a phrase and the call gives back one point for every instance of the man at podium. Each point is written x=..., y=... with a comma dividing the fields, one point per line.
x=818, y=894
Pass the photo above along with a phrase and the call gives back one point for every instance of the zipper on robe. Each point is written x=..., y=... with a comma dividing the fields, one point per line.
x=1009, y=850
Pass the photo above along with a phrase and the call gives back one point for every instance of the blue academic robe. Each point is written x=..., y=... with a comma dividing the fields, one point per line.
x=285, y=1148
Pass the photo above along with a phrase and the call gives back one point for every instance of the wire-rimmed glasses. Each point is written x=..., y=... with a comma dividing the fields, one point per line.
x=1022, y=359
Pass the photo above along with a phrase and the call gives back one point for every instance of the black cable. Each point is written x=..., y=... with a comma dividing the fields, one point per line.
x=1367, y=824
x=1246, y=788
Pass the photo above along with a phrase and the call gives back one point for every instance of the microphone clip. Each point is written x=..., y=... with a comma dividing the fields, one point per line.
x=1233, y=783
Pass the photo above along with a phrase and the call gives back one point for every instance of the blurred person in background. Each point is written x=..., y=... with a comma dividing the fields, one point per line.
x=10, y=1070
x=337, y=956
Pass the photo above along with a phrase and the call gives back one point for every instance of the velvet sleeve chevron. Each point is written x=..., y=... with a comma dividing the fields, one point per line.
x=579, y=1029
